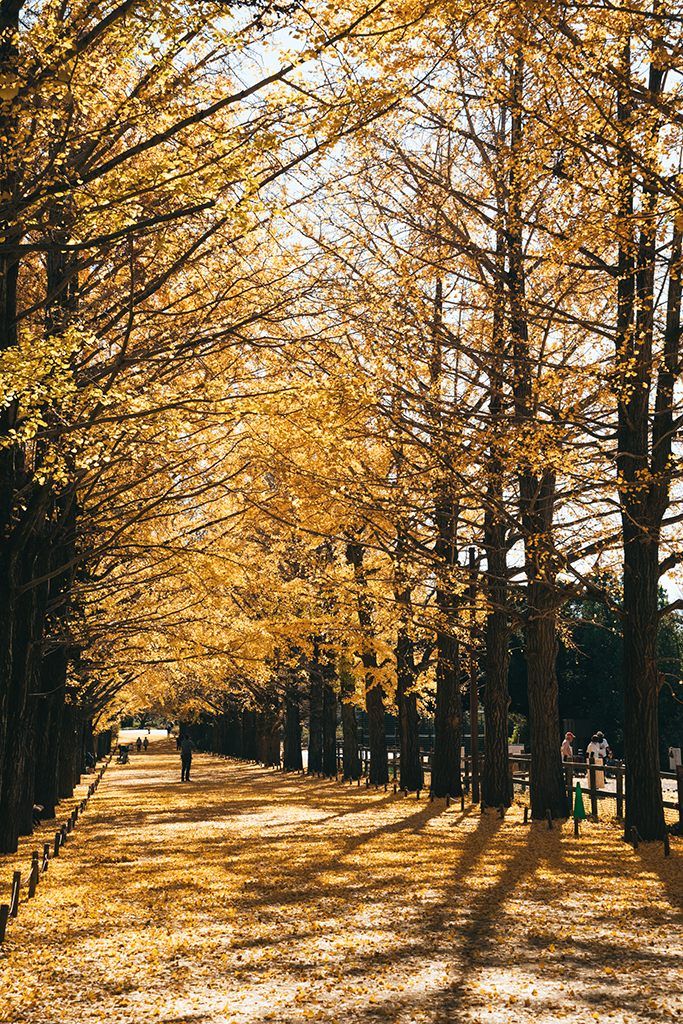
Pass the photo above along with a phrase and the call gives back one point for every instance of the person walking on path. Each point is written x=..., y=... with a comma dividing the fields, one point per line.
x=186, y=748
x=145, y=743
x=138, y=743
x=566, y=748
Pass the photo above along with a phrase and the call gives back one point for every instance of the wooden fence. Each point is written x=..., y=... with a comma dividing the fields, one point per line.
x=39, y=865
x=520, y=770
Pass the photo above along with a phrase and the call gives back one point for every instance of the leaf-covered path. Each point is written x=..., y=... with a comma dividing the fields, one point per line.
x=249, y=895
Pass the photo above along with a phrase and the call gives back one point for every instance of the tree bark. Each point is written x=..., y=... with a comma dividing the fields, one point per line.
x=412, y=775
x=496, y=781
x=293, y=761
x=374, y=694
x=315, y=716
x=329, y=753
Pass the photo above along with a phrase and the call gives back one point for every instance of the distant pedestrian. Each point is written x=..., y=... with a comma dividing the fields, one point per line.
x=594, y=747
x=145, y=743
x=566, y=749
x=605, y=751
x=138, y=744
x=178, y=741
x=186, y=748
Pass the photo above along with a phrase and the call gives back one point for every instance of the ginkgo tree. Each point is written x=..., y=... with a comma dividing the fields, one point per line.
x=136, y=139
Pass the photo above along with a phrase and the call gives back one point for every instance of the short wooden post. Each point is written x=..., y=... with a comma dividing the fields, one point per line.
x=34, y=876
x=620, y=789
x=667, y=847
x=549, y=816
x=501, y=810
x=69, y=825
x=4, y=914
x=569, y=774
x=526, y=815
x=431, y=796
x=593, y=789
x=679, y=784
x=448, y=799
x=394, y=789
x=46, y=856
x=634, y=837
x=63, y=831
x=576, y=827
x=14, y=898
x=417, y=795
x=58, y=843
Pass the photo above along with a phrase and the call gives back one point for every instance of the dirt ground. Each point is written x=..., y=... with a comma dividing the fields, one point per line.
x=249, y=895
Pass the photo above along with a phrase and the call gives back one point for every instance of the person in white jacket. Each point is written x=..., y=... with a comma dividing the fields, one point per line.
x=605, y=751
x=594, y=747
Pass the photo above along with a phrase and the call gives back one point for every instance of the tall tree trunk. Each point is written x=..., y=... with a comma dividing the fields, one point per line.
x=446, y=757
x=374, y=694
x=329, y=758
x=48, y=730
x=644, y=477
x=446, y=776
x=352, y=764
x=315, y=715
x=548, y=789
x=412, y=776
x=293, y=761
x=536, y=500
x=496, y=781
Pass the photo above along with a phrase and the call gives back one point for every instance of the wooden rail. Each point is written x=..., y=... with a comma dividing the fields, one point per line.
x=520, y=771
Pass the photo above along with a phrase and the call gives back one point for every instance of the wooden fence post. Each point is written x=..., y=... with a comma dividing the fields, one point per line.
x=58, y=843
x=569, y=775
x=620, y=789
x=679, y=784
x=35, y=875
x=14, y=898
x=593, y=790
x=4, y=914
x=46, y=856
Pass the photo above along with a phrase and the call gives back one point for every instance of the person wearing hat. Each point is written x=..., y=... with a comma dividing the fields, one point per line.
x=605, y=751
x=566, y=748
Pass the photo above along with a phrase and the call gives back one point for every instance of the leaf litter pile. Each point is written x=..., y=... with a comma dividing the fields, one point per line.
x=248, y=895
